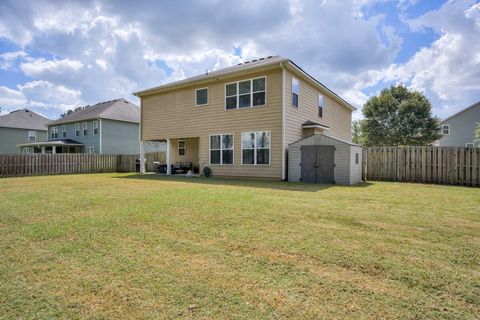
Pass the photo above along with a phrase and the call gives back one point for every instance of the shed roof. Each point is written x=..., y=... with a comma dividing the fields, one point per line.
x=24, y=119
x=330, y=137
x=119, y=109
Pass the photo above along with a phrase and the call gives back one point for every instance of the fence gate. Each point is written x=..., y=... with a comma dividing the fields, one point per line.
x=317, y=164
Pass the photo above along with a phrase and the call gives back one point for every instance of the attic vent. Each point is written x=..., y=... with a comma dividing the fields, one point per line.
x=269, y=57
x=254, y=60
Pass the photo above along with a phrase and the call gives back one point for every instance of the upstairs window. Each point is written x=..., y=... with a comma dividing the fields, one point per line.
x=201, y=97
x=54, y=132
x=221, y=149
x=446, y=129
x=95, y=127
x=469, y=145
x=32, y=136
x=181, y=147
x=85, y=128
x=245, y=94
x=256, y=147
x=320, y=105
x=64, y=131
x=295, y=92
x=77, y=129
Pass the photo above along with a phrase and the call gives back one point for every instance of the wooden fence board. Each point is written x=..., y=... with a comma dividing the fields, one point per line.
x=442, y=165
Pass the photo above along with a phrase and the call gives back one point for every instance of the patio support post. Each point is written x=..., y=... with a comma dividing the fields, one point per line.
x=54, y=149
x=142, y=157
x=169, y=168
x=43, y=149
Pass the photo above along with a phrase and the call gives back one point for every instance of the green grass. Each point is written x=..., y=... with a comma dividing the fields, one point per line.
x=124, y=246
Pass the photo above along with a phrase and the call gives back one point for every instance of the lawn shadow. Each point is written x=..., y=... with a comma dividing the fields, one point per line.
x=243, y=182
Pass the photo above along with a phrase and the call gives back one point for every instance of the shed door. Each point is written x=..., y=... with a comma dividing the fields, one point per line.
x=318, y=164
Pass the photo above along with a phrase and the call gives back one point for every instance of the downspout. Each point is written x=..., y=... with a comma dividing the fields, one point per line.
x=100, y=134
x=142, y=149
x=283, y=124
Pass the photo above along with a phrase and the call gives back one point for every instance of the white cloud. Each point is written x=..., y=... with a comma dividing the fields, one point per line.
x=39, y=68
x=11, y=99
x=8, y=59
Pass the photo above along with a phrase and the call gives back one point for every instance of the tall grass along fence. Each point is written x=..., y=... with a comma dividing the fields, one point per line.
x=443, y=165
x=15, y=165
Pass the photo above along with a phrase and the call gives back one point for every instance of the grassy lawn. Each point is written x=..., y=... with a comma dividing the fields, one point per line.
x=124, y=246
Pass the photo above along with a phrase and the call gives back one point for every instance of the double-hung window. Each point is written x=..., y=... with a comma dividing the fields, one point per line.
x=181, y=147
x=295, y=92
x=95, y=127
x=85, y=129
x=221, y=149
x=77, y=129
x=256, y=147
x=32, y=136
x=446, y=129
x=320, y=105
x=245, y=94
x=54, y=132
x=201, y=97
x=64, y=131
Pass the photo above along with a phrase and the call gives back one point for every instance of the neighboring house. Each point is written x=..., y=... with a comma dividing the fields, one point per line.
x=240, y=121
x=459, y=129
x=21, y=126
x=110, y=127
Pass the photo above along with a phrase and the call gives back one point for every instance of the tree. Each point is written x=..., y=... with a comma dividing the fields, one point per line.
x=399, y=117
x=357, y=131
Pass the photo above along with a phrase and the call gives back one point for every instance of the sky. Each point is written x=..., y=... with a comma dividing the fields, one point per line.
x=57, y=55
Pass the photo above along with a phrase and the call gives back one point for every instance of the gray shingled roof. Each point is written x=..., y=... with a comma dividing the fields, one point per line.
x=24, y=119
x=119, y=109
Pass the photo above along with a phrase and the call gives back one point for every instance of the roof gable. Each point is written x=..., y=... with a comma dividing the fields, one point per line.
x=24, y=119
x=475, y=105
x=119, y=109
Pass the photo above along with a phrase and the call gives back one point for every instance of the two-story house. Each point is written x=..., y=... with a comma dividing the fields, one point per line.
x=239, y=121
x=110, y=127
x=21, y=126
x=459, y=129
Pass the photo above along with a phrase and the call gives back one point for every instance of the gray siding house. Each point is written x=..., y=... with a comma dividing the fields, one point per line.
x=21, y=126
x=110, y=127
x=459, y=129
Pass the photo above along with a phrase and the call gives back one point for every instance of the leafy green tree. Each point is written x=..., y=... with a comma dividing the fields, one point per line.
x=357, y=131
x=399, y=117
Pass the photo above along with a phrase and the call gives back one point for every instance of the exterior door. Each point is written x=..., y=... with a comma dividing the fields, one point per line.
x=318, y=164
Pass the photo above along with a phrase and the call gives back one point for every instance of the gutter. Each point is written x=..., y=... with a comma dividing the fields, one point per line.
x=283, y=124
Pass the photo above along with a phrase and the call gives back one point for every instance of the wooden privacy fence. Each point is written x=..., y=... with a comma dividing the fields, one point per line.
x=15, y=165
x=443, y=165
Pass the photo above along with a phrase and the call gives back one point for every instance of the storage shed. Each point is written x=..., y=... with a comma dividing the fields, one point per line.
x=323, y=159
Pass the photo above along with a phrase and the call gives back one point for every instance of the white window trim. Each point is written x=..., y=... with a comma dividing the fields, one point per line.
x=90, y=149
x=64, y=130
x=469, y=145
x=53, y=132
x=84, y=127
x=251, y=94
x=184, y=147
x=208, y=97
x=34, y=135
x=77, y=128
x=446, y=125
x=221, y=149
x=255, y=149
x=298, y=94
x=95, y=126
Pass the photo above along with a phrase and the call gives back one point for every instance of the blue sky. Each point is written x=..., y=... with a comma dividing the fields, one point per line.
x=59, y=55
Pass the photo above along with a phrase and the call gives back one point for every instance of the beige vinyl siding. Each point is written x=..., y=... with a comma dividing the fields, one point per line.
x=173, y=114
x=191, y=151
x=335, y=115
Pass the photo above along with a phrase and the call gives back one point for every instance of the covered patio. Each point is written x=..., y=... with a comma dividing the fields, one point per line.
x=181, y=155
x=54, y=146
